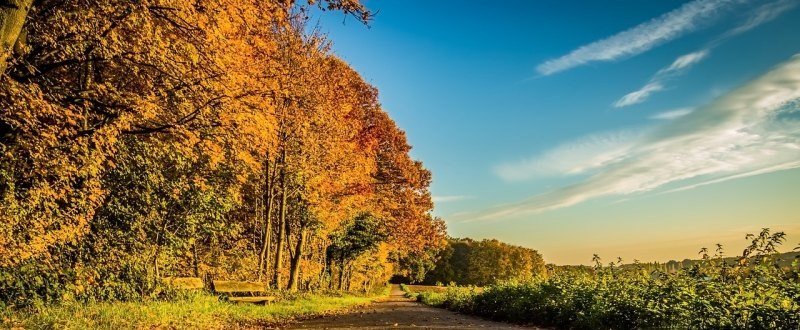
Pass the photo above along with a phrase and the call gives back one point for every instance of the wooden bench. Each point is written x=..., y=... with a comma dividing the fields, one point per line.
x=255, y=289
x=184, y=283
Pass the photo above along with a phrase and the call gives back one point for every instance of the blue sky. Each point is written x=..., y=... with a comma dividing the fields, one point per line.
x=640, y=129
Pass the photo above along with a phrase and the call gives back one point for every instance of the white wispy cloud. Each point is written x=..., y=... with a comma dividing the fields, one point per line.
x=656, y=83
x=752, y=130
x=452, y=198
x=641, y=38
x=760, y=15
x=684, y=62
x=640, y=95
x=576, y=157
x=672, y=114
x=779, y=167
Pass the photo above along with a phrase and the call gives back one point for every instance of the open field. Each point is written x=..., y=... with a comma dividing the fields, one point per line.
x=761, y=290
x=630, y=303
x=197, y=311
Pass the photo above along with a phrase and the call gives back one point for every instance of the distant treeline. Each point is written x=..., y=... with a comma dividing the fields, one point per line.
x=469, y=262
x=785, y=259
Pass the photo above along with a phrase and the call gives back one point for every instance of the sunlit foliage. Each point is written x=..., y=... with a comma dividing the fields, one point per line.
x=219, y=139
x=470, y=262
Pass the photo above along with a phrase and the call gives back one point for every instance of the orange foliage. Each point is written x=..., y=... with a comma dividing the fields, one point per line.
x=238, y=133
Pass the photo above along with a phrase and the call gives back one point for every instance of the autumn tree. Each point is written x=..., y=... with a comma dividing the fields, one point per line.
x=363, y=234
x=92, y=71
x=401, y=196
x=485, y=262
x=220, y=139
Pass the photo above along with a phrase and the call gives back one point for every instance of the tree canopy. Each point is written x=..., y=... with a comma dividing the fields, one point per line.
x=486, y=262
x=220, y=139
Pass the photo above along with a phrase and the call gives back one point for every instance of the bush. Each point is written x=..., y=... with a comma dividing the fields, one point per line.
x=756, y=291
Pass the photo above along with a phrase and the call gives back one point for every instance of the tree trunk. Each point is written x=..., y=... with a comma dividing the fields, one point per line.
x=195, y=260
x=298, y=253
x=159, y=236
x=155, y=262
x=327, y=272
x=341, y=275
x=12, y=18
x=348, y=278
x=267, y=200
x=281, y=228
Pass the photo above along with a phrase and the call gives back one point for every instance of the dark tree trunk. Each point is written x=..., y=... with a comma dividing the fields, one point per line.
x=298, y=253
x=195, y=260
x=281, y=227
x=341, y=275
x=267, y=200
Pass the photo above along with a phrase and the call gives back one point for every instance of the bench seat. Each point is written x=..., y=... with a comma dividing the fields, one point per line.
x=256, y=291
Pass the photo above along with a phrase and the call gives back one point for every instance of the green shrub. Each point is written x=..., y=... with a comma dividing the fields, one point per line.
x=754, y=292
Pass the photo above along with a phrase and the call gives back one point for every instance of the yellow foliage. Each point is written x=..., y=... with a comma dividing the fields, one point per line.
x=179, y=127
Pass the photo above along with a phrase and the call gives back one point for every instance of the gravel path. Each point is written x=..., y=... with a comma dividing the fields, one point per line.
x=399, y=312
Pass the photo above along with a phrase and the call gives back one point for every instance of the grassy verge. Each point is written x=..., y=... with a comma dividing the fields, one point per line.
x=195, y=311
x=415, y=291
x=407, y=290
x=453, y=297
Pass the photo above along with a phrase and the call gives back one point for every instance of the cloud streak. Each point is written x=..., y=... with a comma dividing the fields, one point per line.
x=641, y=38
x=640, y=95
x=761, y=15
x=672, y=114
x=447, y=199
x=752, y=130
x=656, y=83
x=573, y=158
x=684, y=62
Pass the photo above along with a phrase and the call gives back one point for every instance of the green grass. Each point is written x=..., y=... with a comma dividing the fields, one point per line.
x=425, y=288
x=435, y=295
x=197, y=311
x=408, y=292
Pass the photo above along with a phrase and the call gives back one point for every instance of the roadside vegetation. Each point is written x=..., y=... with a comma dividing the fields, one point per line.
x=756, y=290
x=199, y=310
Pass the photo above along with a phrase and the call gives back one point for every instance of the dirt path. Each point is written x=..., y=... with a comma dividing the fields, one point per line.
x=399, y=312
